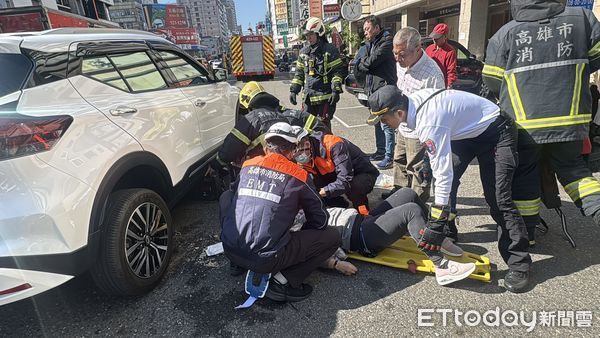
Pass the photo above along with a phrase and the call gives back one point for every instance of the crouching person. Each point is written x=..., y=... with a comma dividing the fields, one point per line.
x=270, y=191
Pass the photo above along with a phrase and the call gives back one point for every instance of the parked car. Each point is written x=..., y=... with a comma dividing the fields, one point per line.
x=468, y=69
x=101, y=132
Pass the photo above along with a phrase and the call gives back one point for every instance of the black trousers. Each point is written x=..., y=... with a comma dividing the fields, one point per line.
x=324, y=111
x=496, y=152
x=567, y=162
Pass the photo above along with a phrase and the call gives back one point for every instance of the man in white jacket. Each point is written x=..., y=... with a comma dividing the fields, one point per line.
x=456, y=127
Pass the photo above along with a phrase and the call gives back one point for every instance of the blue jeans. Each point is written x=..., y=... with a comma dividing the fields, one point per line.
x=385, y=139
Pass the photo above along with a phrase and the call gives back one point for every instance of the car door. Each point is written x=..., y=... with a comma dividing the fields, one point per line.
x=215, y=102
x=128, y=88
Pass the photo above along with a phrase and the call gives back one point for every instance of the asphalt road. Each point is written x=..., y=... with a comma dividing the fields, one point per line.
x=197, y=296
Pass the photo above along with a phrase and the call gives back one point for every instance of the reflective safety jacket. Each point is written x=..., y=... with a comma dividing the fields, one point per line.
x=539, y=66
x=335, y=163
x=247, y=136
x=270, y=192
x=320, y=71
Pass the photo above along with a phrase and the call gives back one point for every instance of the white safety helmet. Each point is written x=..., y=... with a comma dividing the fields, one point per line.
x=315, y=25
x=283, y=130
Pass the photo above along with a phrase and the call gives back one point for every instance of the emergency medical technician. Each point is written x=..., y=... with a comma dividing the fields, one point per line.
x=455, y=127
x=259, y=110
x=539, y=66
x=339, y=168
x=320, y=71
x=270, y=191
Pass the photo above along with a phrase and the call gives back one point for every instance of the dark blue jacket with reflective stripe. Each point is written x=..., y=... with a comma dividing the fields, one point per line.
x=539, y=66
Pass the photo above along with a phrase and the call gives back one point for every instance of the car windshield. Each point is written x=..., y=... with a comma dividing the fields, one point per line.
x=15, y=69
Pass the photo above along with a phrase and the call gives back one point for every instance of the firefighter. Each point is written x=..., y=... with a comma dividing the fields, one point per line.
x=258, y=111
x=455, y=127
x=539, y=65
x=319, y=70
x=339, y=168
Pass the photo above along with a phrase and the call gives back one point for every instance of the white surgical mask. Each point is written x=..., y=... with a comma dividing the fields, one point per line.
x=302, y=158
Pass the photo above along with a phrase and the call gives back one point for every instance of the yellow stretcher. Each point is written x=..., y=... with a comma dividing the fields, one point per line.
x=404, y=254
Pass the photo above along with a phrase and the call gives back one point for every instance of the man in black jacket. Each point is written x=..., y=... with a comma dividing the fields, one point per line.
x=380, y=69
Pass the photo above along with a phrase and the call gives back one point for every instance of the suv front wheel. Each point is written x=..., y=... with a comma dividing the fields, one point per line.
x=137, y=243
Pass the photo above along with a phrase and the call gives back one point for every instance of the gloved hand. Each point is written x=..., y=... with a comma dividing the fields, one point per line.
x=293, y=98
x=432, y=236
x=335, y=97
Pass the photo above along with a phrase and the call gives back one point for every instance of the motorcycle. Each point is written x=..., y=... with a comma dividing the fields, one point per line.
x=284, y=67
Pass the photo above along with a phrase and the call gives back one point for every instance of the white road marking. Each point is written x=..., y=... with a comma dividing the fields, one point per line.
x=347, y=125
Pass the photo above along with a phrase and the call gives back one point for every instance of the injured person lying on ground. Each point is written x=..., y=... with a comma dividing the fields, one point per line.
x=403, y=212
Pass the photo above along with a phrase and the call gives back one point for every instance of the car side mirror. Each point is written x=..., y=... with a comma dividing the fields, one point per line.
x=220, y=75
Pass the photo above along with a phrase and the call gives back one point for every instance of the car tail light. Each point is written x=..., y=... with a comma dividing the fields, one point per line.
x=25, y=135
x=15, y=289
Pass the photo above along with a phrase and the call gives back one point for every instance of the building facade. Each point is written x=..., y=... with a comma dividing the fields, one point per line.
x=209, y=17
x=129, y=14
x=231, y=15
x=97, y=10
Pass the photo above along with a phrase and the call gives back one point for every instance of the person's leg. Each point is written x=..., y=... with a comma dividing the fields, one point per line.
x=497, y=166
x=415, y=165
x=360, y=187
x=400, y=197
x=526, y=188
x=379, y=142
x=305, y=252
x=463, y=152
x=390, y=141
x=400, y=177
x=576, y=177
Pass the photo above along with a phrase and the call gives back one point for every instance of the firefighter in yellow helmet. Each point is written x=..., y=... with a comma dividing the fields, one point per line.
x=320, y=71
x=257, y=112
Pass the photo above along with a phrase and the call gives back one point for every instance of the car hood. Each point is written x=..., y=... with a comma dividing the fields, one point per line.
x=535, y=10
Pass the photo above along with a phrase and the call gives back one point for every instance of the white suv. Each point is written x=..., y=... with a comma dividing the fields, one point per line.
x=101, y=131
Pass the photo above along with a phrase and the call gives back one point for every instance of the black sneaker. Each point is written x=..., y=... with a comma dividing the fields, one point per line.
x=516, y=281
x=385, y=195
x=376, y=157
x=597, y=217
x=286, y=293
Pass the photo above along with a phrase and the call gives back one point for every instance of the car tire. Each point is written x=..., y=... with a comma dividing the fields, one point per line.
x=133, y=255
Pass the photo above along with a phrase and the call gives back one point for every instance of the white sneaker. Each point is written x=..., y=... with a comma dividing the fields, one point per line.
x=454, y=272
x=451, y=249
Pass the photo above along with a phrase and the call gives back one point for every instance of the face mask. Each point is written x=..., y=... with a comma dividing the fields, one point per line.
x=302, y=158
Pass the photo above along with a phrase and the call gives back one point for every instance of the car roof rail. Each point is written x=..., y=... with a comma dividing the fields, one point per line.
x=75, y=30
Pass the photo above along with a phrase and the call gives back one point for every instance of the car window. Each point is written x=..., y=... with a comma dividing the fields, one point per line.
x=15, y=69
x=101, y=69
x=185, y=73
x=138, y=71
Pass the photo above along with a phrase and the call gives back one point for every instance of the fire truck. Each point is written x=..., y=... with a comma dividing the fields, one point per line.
x=39, y=18
x=252, y=56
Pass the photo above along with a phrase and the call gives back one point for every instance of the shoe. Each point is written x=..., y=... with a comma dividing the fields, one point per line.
x=386, y=163
x=376, y=157
x=453, y=272
x=236, y=270
x=516, y=281
x=385, y=195
x=597, y=217
x=451, y=249
x=286, y=293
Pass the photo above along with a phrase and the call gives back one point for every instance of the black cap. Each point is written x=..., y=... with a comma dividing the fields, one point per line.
x=264, y=100
x=385, y=99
